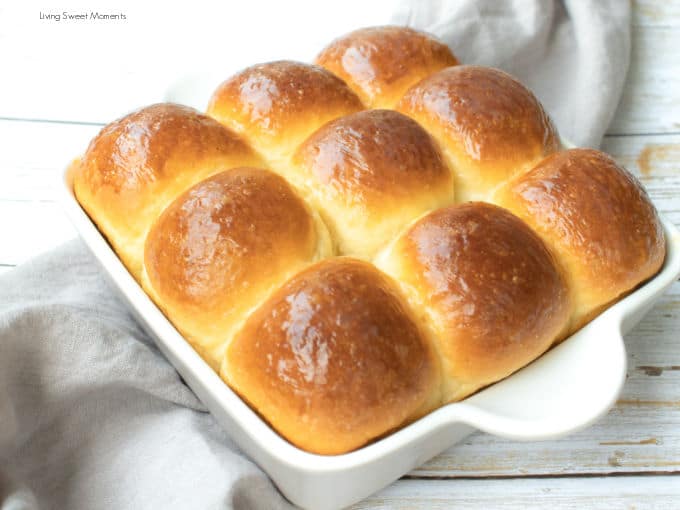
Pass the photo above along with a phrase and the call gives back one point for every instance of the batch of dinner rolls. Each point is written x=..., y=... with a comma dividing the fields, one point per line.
x=353, y=243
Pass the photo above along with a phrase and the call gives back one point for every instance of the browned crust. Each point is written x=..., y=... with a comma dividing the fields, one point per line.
x=221, y=237
x=596, y=217
x=266, y=99
x=380, y=63
x=138, y=164
x=482, y=113
x=130, y=156
x=496, y=297
x=333, y=359
x=374, y=155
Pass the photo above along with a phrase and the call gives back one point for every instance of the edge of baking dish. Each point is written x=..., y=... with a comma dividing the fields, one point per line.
x=566, y=389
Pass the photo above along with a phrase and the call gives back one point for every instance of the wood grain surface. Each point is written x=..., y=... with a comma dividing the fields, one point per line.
x=629, y=459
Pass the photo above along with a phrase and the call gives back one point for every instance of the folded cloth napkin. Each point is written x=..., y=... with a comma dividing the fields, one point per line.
x=91, y=414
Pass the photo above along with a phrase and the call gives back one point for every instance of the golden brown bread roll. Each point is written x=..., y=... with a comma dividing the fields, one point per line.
x=276, y=105
x=222, y=246
x=487, y=287
x=137, y=165
x=370, y=174
x=334, y=359
x=381, y=63
x=489, y=126
x=598, y=221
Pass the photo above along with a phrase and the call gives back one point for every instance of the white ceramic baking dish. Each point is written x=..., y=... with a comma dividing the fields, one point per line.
x=565, y=390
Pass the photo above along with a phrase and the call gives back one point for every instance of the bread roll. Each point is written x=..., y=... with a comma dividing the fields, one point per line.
x=276, y=105
x=370, y=174
x=488, y=288
x=489, y=126
x=598, y=221
x=381, y=63
x=137, y=165
x=334, y=359
x=219, y=249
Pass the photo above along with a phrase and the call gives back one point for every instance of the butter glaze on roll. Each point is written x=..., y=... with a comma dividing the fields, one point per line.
x=334, y=359
x=137, y=165
x=370, y=174
x=488, y=288
x=222, y=246
x=381, y=63
x=596, y=218
x=276, y=105
x=489, y=126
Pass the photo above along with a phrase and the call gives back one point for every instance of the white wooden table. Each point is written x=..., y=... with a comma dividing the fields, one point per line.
x=629, y=459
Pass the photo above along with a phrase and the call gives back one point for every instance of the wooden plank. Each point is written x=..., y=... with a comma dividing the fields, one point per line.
x=655, y=13
x=34, y=155
x=30, y=228
x=654, y=159
x=657, y=492
x=649, y=103
x=641, y=434
x=30, y=147
x=31, y=162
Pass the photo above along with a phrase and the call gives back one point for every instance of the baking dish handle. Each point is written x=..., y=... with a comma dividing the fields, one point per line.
x=567, y=389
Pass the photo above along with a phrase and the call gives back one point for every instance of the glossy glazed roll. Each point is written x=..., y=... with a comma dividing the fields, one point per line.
x=598, y=221
x=381, y=63
x=489, y=126
x=276, y=105
x=137, y=165
x=488, y=288
x=334, y=358
x=370, y=174
x=222, y=246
